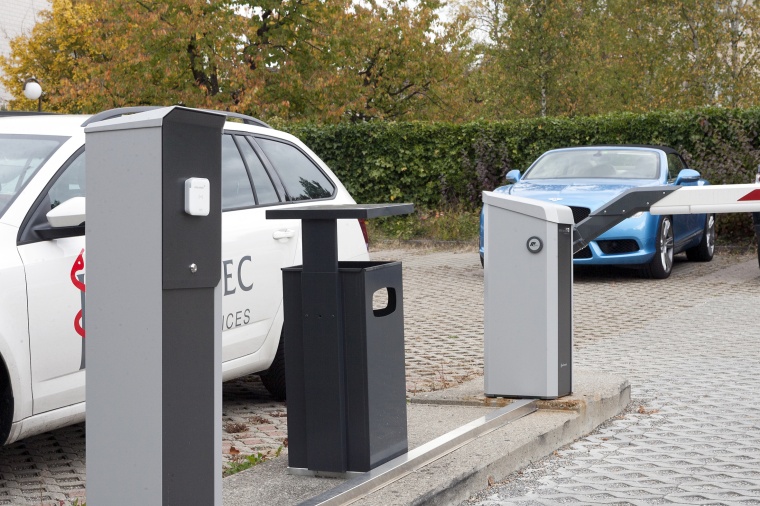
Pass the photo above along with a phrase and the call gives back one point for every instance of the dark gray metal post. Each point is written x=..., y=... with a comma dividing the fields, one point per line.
x=322, y=238
x=153, y=309
x=323, y=344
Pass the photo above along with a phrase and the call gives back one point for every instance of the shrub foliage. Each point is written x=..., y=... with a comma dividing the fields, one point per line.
x=440, y=165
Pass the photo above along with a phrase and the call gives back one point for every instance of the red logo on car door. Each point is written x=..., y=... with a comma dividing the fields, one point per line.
x=78, y=281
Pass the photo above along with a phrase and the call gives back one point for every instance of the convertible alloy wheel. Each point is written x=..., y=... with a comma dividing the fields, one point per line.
x=710, y=234
x=704, y=251
x=666, y=245
x=662, y=263
x=709, y=245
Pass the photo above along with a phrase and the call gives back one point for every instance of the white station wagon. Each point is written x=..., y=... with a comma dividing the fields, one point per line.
x=43, y=264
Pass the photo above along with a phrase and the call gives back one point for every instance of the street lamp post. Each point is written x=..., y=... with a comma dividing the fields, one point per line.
x=33, y=91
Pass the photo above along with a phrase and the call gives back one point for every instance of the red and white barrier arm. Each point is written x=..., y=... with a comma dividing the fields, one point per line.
x=727, y=198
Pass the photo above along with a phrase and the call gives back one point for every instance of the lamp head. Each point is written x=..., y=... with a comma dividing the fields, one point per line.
x=32, y=89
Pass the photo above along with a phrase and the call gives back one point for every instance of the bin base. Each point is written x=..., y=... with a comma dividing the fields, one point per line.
x=539, y=397
x=302, y=471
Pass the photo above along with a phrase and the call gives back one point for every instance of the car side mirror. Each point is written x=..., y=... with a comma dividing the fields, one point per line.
x=512, y=176
x=70, y=213
x=64, y=220
x=687, y=176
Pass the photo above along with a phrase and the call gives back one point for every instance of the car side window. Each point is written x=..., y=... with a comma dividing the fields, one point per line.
x=70, y=184
x=67, y=184
x=236, y=186
x=302, y=179
x=675, y=165
x=262, y=184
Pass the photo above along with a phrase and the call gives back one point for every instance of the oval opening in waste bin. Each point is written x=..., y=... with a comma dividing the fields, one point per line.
x=384, y=302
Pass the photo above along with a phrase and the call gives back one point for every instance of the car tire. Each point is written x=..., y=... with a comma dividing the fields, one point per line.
x=662, y=264
x=704, y=251
x=274, y=377
x=6, y=403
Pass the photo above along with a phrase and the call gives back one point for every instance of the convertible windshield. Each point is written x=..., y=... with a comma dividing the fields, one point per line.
x=20, y=157
x=596, y=163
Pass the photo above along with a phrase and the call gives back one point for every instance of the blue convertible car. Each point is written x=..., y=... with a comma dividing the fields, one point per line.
x=585, y=178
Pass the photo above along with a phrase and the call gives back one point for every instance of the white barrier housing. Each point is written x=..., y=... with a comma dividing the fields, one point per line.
x=528, y=297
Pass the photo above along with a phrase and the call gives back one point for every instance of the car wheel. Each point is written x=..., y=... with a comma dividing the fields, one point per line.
x=274, y=377
x=704, y=251
x=662, y=263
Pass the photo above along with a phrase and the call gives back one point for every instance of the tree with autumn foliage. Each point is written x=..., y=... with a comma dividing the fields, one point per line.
x=581, y=57
x=147, y=52
x=383, y=62
x=303, y=59
x=535, y=57
x=720, y=47
x=339, y=60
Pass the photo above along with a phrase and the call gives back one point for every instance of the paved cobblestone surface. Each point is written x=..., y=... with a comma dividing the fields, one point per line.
x=444, y=329
x=443, y=316
x=692, y=433
x=444, y=334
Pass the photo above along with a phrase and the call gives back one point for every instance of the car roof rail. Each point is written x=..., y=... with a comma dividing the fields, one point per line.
x=248, y=120
x=115, y=113
x=121, y=111
x=25, y=113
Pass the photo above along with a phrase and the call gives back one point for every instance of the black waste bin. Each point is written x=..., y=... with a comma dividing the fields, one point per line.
x=374, y=382
x=344, y=359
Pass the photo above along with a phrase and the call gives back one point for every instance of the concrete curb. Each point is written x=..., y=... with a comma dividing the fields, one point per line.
x=467, y=470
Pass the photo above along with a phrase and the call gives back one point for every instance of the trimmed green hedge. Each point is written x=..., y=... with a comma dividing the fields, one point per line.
x=437, y=165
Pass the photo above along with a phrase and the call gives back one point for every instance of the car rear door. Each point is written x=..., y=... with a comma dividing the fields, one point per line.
x=254, y=249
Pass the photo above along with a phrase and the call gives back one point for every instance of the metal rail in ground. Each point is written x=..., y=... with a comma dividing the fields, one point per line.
x=366, y=483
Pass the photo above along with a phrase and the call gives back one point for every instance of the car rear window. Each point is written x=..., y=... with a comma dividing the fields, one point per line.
x=301, y=177
x=596, y=163
x=236, y=186
x=20, y=158
x=262, y=183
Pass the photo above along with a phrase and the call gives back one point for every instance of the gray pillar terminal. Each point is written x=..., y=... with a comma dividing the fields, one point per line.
x=528, y=298
x=154, y=305
x=529, y=248
x=344, y=362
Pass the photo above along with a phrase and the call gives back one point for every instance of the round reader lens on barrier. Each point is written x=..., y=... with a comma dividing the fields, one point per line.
x=534, y=244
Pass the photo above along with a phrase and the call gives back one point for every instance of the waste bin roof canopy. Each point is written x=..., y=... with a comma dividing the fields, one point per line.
x=338, y=212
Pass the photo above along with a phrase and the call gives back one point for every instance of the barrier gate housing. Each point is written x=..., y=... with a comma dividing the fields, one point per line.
x=529, y=247
x=532, y=359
